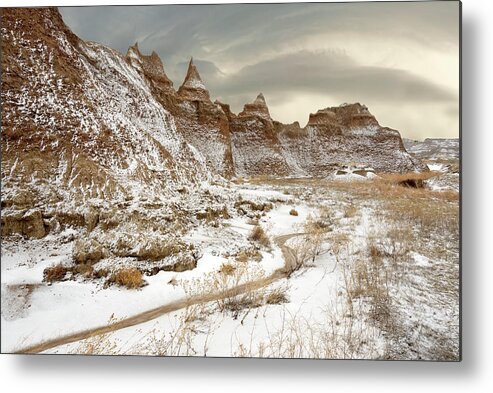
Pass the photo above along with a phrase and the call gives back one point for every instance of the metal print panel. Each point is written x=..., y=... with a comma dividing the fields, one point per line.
x=235, y=180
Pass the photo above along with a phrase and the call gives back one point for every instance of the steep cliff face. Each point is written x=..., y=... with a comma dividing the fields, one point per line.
x=79, y=121
x=202, y=123
x=348, y=134
x=255, y=143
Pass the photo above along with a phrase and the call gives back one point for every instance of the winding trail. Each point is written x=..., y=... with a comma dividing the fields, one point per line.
x=290, y=264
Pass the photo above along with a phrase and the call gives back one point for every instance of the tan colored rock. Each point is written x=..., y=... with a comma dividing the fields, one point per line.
x=88, y=251
x=29, y=223
x=193, y=88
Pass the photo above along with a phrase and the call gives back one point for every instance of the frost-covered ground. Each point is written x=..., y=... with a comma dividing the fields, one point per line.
x=378, y=278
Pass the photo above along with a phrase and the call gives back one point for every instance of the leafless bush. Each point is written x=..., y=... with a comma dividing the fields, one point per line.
x=277, y=296
x=310, y=245
x=248, y=254
x=258, y=235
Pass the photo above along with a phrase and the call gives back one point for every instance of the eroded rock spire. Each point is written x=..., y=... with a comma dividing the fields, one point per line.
x=193, y=88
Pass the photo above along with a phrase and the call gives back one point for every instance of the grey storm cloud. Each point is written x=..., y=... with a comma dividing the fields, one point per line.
x=374, y=53
x=328, y=72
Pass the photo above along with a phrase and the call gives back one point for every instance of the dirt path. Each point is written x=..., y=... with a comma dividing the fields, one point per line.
x=290, y=263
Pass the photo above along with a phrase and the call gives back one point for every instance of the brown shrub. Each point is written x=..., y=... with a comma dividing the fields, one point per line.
x=100, y=273
x=247, y=254
x=55, y=273
x=258, y=235
x=130, y=278
x=293, y=212
x=155, y=250
x=277, y=296
x=227, y=269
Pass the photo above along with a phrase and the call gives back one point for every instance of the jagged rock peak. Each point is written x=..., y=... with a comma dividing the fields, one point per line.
x=257, y=108
x=348, y=115
x=151, y=66
x=260, y=100
x=193, y=88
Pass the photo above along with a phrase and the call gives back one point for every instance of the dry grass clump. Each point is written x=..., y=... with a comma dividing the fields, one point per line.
x=84, y=269
x=293, y=212
x=246, y=301
x=100, y=273
x=211, y=215
x=277, y=296
x=258, y=235
x=227, y=269
x=156, y=249
x=307, y=247
x=248, y=254
x=130, y=278
x=431, y=218
x=55, y=273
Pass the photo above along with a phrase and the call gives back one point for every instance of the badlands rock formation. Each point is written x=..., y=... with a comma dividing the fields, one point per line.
x=82, y=122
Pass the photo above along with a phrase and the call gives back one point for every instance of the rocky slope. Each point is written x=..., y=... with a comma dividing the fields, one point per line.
x=80, y=126
x=78, y=116
x=83, y=124
x=434, y=149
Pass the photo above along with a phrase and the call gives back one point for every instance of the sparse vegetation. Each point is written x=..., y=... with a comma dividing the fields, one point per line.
x=83, y=269
x=277, y=296
x=129, y=278
x=55, y=273
x=350, y=211
x=367, y=232
x=258, y=235
x=248, y=254
x=227, y=269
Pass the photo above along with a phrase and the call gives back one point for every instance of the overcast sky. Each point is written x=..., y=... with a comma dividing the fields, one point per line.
x=399, y=59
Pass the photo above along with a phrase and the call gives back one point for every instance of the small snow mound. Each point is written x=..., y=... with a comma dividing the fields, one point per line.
x=353, y=172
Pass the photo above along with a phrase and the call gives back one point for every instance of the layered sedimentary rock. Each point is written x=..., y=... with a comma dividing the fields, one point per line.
x=348, y=134
x=202, y=123
x=255, y=144
x=81, y=121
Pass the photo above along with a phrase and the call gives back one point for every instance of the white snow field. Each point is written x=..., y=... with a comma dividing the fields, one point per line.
x=375, y=278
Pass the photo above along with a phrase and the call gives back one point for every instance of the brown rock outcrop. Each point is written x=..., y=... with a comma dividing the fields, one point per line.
x=151, y=66
x=193, y=89
x=255, y=144
x=29, y=224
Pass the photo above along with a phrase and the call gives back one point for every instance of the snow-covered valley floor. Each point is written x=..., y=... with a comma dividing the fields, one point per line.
x=376, y=277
